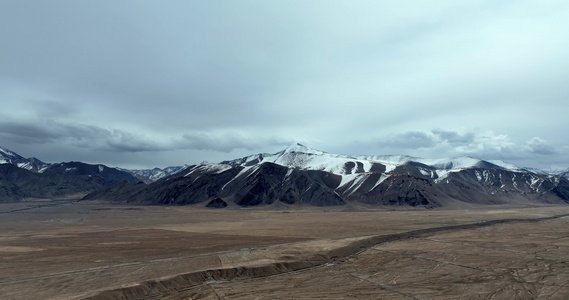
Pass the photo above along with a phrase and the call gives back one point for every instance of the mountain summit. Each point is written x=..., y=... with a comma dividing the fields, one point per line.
x=32, y=163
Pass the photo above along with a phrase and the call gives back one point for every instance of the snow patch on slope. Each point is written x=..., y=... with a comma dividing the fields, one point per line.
x=380, y=180
x=246, y=170
x=353, y=182
x=209, y=168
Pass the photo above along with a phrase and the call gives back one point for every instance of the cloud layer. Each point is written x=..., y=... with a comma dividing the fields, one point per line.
x=144, y=84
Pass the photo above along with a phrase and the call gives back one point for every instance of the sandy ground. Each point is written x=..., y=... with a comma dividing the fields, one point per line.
x=62, y=250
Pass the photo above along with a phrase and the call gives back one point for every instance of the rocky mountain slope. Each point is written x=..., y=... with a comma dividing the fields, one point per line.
x=300, y=175
x=35, y=165
x=101, y=174
x=32, y=163
x=17, y=183
x=22, y=178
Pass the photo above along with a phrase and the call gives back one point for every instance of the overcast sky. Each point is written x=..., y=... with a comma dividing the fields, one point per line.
x=142, y=84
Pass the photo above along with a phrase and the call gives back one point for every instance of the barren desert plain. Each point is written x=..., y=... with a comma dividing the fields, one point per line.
x=95, y=250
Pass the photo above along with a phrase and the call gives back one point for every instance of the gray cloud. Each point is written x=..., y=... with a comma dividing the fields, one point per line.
x=454, y=138
x=228, y=142
x=181, y=82
x=539, y=146
x=115, y=140
x=411, y=140
x=50, y=131
x=80, y=135
x=469, y=141
x=437, y=143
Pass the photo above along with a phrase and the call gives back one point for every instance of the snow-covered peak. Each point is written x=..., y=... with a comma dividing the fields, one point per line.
x=300, y=156
x=506, y=165
x=547, y=171
x=557, y=171
x=466, y=162
x=453, y=163
x=6, y=152
x=300, y=148
x=389, y=159
x=9, y=155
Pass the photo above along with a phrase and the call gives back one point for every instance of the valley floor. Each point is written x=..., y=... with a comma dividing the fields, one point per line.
x=67, y=250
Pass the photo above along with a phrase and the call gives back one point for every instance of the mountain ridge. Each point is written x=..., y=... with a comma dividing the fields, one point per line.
x=35, y=165
x=10, y=157
x=153, y=174
x=301, y=175
x=22, y=178
x=296, y=175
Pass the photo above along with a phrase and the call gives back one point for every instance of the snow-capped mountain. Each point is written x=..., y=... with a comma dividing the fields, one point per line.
x=151, y=175
x=548, y=171
x=32, y=163
x=299, y=174
x=302, y=157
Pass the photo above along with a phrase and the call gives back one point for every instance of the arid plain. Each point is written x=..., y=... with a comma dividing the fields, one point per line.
x=94, y=250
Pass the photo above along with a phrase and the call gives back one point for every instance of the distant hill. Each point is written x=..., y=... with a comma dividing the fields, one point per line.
x=22, y=178
x=17, y=184
x=100, y=174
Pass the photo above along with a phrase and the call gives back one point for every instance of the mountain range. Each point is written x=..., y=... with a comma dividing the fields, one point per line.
x=299, y=175
x=22, y=178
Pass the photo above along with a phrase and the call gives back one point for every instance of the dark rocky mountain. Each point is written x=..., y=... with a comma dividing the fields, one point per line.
x=17, y=184
x=100, y=174
x=299, y=175
x=38, y=166
x=32, y=163
x=263, y=185
x=22, y=178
